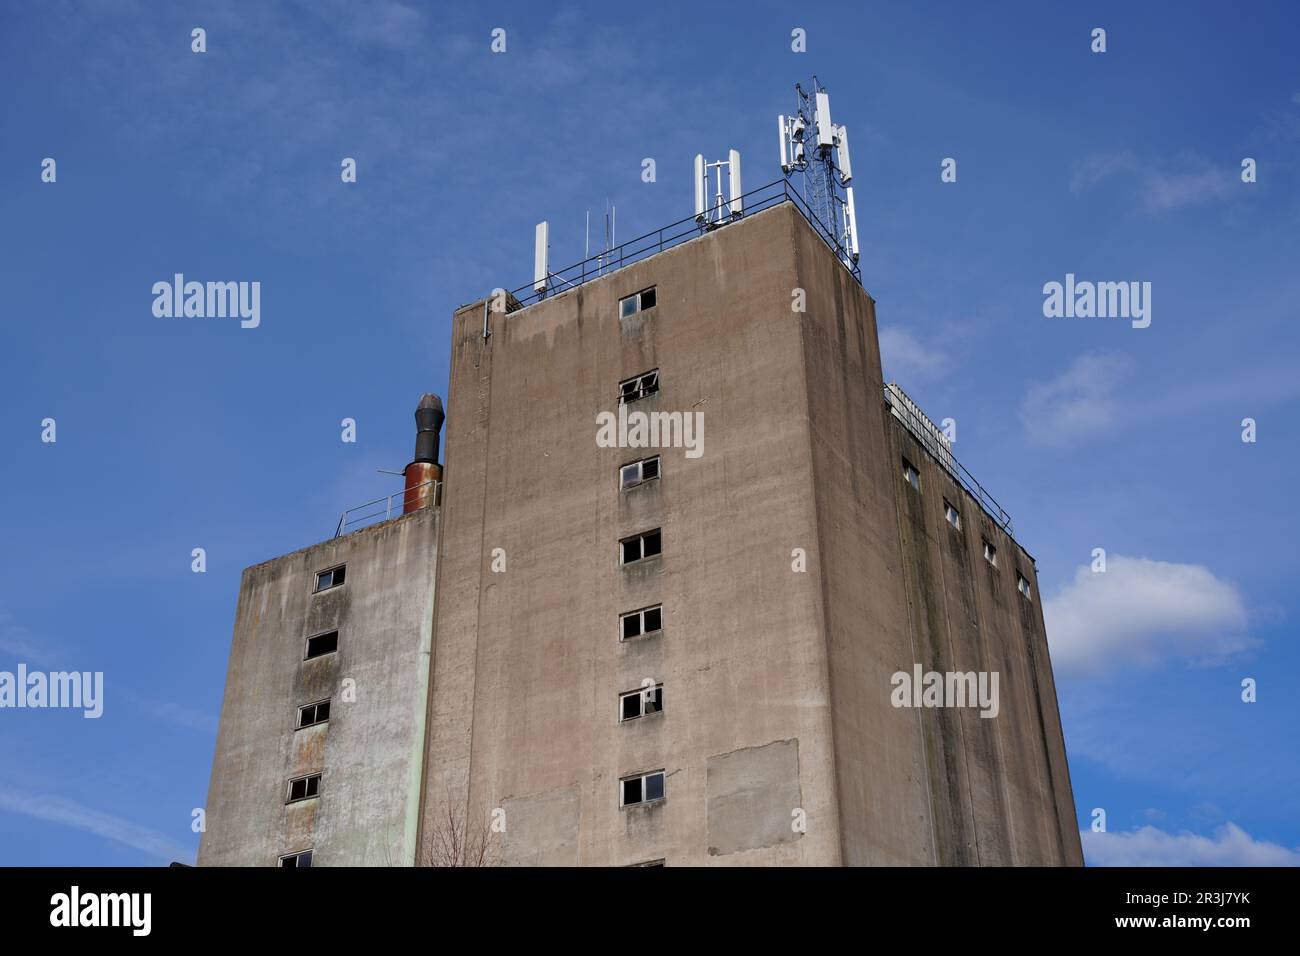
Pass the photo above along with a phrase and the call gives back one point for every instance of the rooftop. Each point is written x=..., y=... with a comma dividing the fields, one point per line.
x=684, y=230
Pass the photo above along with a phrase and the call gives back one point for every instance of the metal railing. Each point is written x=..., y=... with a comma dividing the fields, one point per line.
x=382, y=509
x=653, y=243
x=923, y=432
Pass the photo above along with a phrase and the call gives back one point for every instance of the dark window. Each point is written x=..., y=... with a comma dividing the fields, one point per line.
x=314, y=714
x=637, y=302
x=654, y=786
x=322, y=644
x=296, y=859
x=631, y=626
x=650, y=863
x=649, y=620
x=640, y=703
x=640, y=546
x=330, y=579
x=639, y=472
x=631, y=706
x=639, y=386
x=304, y=788
x=911, y=474
x=642, y=788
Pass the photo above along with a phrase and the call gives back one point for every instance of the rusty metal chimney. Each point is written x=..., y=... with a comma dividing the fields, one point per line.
x=422, y=473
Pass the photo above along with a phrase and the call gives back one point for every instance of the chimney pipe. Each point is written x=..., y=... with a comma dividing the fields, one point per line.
x=424, y=468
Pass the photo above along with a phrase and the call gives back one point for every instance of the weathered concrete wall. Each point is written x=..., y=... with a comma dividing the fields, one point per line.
x=999, y=787
x=528, y=666
x=370, y=750
x=879, y=762
x=776, y=683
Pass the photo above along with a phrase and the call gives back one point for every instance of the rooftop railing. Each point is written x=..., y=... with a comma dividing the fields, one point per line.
x=684, y=230
x=392, y=506
x=930, y=438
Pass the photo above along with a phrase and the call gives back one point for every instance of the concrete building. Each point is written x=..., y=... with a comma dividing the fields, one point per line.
x=688, y=654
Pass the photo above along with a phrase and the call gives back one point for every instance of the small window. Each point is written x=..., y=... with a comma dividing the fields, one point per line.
x=329, y=579
x=322, y=644
x=304, y=788
x=639, y=547
x=313, y=714
x=1022, y=585
x=638, y=473
x=642, y=623
x=302, y=858
x=639, y=386
x=911, y=474
x=659, y=862
x=951, y=514
x=638, y=302
x=640, y=703
x=990, y=553
x=643, y=788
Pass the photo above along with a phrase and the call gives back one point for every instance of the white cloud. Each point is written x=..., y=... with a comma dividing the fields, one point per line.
x=1094, y=169
x=904, y=356
x=17, y=641
x=1165, y=190
x=1161, y=186
x=69, y=813
x=174, y=713
x=1142, y=611
x=1148, y=846
x=1080, y=403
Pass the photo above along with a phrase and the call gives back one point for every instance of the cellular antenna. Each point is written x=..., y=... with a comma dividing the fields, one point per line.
x=543, y=279
x=818, y=150
x=711, y=213
x=541, y=257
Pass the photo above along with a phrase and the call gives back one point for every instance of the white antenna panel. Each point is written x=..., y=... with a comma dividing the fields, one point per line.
x=851, y=215
x=785, y=145
x=842, y=154
x=825, y=129
x=541, y=257
x=733, y=168
x=701, y=184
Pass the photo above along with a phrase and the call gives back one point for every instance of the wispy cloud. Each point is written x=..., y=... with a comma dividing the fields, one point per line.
x=174, y=713
x=69, y=813
x=1140, y=611
x=904, y=356
x=1080, y=403
x=1148, y=846
x=1161, y=186
x=18, y=642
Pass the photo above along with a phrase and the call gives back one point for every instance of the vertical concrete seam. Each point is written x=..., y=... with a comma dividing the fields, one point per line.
x=1065, y=754
x=486, y=361
x=961, y=724
x=911, y=637
x=822, y=585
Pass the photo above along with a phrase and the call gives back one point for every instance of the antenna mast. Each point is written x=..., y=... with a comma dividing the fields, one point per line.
x=718, y=210
x=812, y=145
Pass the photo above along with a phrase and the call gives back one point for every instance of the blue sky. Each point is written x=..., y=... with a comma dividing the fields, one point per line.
x=182, y=433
